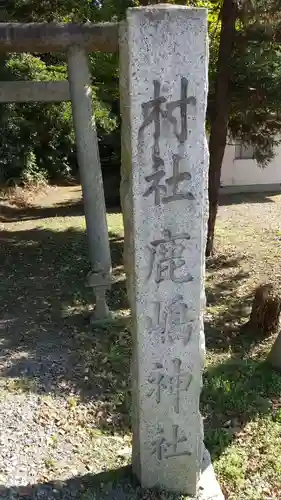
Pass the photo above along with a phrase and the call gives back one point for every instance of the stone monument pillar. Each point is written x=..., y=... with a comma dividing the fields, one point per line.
x=163, y=84
x=99, y=278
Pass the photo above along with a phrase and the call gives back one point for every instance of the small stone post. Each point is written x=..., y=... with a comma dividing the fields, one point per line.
x=91, y=178
x=163, y=85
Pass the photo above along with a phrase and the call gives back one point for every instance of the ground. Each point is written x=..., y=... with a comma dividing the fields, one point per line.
x=64, y=387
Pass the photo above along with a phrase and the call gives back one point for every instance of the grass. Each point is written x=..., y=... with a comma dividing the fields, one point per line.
x=241, y=399
x=45, y=304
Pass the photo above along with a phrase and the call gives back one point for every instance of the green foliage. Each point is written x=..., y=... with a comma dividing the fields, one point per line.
x=254, y=116
x=44, y=132
x=32, y=173
x=38, y=139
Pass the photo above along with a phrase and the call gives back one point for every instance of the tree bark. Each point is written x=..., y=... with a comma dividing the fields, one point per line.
x=266, y=309
x=219, y=115
x=274, y=357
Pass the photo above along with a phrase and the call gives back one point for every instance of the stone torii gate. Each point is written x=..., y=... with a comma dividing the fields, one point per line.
x=77, y=41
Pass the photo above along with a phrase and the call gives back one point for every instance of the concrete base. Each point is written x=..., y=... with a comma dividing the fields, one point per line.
x=208, y=488
x=100, y=283
x=96, y=322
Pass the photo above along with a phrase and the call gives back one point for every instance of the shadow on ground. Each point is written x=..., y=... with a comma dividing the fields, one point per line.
x=47, y=343
x=237, y=386
x=119, y=484
x=235, y=392
x=48, y=346
x=227, y=309
x=240, y=198
x=71, y=208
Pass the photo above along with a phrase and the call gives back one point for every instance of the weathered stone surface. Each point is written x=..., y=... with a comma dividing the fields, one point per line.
x=208, y=487
x=53, y=37
x=163, y=83
x=22, y=91
x=91, y=179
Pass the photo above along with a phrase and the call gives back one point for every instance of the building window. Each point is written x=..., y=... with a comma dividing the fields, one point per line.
x=244, y=152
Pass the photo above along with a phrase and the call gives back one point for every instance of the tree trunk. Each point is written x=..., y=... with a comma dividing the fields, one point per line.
x=219, y=114
x=274, y=357
x=266, y=309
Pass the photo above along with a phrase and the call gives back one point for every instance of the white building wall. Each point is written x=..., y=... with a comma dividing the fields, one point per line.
x=246, y=172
